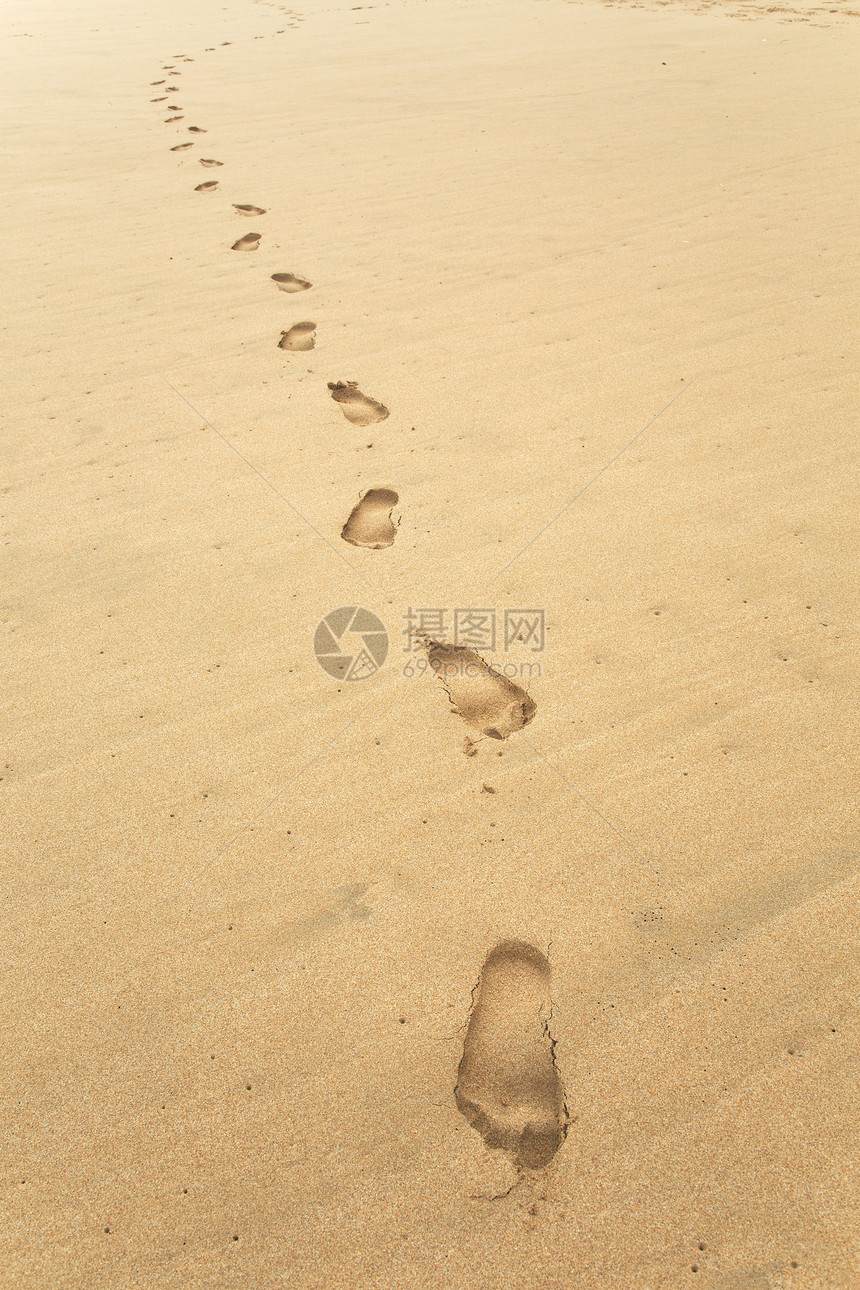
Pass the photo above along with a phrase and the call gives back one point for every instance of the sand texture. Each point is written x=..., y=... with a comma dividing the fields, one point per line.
x=325, y=967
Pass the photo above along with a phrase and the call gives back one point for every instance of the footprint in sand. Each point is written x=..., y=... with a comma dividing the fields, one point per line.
x=248, y=210
x=173, y=107
x=208, y=187
x=355, y=406
x=197, y=129
x=508, y=1087
x=300, y=336
x=172, y=89
x=488, y=701
x=208, y=162
x=168, y=119
x=156, y=82
x=180, y=147
x=370, y=523
x=249, y=242
x=161, y=100
x=289, y=282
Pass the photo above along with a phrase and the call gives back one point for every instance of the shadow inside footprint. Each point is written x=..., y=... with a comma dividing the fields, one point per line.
x=249, y=242
x=289, y=282
x=508, y=1087
x=180, y=147
x=355, y=406
x=300, y=336
x=207, y=161
x=208, y=187
x=370, y=523
x=248, y=210
x=197, y=129
x=488, y=701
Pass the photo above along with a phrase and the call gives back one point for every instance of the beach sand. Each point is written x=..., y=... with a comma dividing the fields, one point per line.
x=591, y=270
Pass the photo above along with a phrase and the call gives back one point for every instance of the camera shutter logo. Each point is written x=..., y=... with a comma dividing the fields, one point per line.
x=351, y=644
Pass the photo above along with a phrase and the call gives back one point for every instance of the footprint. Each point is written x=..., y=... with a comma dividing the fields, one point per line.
x=180, y=147
x=168, y=119
x=161, y=100
x=207, y=187
x=249, y=242
x=508, y=1087
x=249, y=210
x=370, y=523
x=172, y=89
x=355, y=406
x=300, y=336
x=207, y=161
x=197, y=129
x=486, y=700
x=289, y=282
x=173, y=107
x=156, y=82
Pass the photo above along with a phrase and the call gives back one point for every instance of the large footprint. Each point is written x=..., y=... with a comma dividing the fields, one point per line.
x=289, y=282
x=208, y=187
x=249, y=242
x=355, y=406
x=248, y=210
x=209, y=162
x=370, y=523
x=300, y=336
x=488, y=701
x=508, y=1087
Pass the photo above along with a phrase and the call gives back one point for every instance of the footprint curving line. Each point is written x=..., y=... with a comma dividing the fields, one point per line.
x=370, y=524
x=355, y=406
x=508, y=1086
x=289, y=282
x=485, y=699
x=299, y=337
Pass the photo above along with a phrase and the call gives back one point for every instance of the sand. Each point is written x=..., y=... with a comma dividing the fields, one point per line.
x=596, y=264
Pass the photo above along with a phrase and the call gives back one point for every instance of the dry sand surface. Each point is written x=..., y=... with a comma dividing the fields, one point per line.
x=572, y=283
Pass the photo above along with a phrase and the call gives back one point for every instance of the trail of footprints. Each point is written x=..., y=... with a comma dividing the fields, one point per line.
x=508, y=1087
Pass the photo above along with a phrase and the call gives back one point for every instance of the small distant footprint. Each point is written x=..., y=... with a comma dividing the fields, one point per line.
x=173, y=107
x=208, y=162
x=197, y=129
x=488, y=701
x=156, y=82
x=168, y=119
x=370, y=523
x=289, y=282
x=208, y=187
x=355, y=406
x=172, y=89
x=300, y=336
x=508, y=1087
x=161, y=100
x=248, y=210
x=180, y=147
